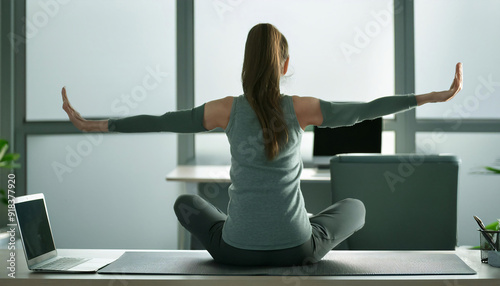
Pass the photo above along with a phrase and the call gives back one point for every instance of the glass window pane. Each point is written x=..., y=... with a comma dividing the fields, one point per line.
x=116, y=58
x=478, y=193
x=339, y=50
x=100, y=196
x=447, y=32
x=388, y=142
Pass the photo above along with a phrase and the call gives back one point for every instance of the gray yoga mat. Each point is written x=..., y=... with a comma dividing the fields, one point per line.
x=335, y=263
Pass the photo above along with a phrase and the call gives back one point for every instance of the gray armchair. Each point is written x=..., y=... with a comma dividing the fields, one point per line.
x=410, y=199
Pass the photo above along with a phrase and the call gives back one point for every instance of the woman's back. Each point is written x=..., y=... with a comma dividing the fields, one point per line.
x=266, y=208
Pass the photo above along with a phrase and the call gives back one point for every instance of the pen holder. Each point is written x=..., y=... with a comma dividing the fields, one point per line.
x=485, y=244
x=494, y=258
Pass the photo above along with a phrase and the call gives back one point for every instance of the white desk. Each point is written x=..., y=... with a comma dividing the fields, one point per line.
x=220, y=174
x=486, y=275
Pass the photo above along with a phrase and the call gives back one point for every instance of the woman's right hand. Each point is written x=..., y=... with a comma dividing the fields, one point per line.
x=442, y=96
x=455, y=87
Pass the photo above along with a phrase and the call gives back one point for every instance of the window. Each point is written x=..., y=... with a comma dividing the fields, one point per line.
x=101, y=196
x=116, y=58
x=458, y=31
x=120, y=63
x=339, y=50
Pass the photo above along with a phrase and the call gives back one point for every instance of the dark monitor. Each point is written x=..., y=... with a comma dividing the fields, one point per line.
x=362, y=137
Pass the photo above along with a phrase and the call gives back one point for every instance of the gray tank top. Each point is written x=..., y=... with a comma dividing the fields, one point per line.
x=266, y=208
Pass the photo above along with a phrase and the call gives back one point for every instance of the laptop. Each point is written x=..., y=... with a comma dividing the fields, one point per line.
x=362, y=137
x=39, y=246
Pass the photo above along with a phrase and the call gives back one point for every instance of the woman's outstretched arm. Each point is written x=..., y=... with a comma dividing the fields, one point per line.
x=199, y=119
x=313, y=111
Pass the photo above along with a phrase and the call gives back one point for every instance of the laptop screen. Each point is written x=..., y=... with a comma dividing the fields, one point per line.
x=363, y=137
x=34, y=224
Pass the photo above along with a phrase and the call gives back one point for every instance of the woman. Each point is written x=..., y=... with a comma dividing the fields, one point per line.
x=266, y=222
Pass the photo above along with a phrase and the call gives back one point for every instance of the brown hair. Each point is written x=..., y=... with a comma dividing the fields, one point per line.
x=266, y=51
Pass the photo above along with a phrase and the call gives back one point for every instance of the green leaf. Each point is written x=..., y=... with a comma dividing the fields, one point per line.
x=9, y=165
x=4, y=145
x=3, y=197
x=492, y=226
x=494, y=170
x=10, y=157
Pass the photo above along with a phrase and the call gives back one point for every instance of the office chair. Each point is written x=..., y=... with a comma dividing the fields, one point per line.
x=410, y=199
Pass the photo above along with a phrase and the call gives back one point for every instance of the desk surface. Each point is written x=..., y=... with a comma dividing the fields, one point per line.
x=486, y=275
x=220, y=174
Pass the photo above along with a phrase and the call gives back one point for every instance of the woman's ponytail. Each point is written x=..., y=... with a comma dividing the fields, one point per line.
x=266, y=51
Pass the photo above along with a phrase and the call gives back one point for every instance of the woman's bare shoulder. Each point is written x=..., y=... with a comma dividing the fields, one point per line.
x=307, y=110
x=217, y=112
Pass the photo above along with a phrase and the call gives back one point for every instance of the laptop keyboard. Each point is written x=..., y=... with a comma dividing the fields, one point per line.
x=62, y=263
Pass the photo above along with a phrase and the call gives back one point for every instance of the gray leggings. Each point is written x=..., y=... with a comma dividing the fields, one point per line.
x=329, y=228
